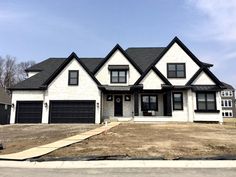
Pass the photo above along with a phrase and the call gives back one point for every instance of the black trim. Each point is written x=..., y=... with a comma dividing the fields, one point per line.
x=118, y=77
x=158, y=73
x=142, y=109
x=118, y=67
x=176, y=71
x=174, y=101
x=136, y=104
x=188, y=52
x=209, y=73
x=117, y=47
x=64, y=64
x=77, y=77
x=205, y=110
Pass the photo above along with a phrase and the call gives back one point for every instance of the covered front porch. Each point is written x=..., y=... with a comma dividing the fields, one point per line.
x=125, y=103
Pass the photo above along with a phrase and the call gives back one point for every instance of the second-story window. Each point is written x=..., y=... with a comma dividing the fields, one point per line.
x=118, y=76
x=176, y=70
x=73, y=77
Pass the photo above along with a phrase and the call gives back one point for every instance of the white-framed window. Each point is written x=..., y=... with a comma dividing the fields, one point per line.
x=226, y=103
x=223, y=93
x=227, y=113
x=227, y=93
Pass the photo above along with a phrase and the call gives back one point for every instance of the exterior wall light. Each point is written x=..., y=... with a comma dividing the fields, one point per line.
x=97, y=105
x=45, y=105
x=12, y=105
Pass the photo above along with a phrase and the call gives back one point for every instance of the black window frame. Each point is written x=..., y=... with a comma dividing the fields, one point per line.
x=77, y=77
x=206, y=110
x=118, y=77
x=142, y=105
x=181, y=101
x=176, y=71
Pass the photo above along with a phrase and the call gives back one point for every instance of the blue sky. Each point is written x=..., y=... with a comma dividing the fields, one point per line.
x=36, y=30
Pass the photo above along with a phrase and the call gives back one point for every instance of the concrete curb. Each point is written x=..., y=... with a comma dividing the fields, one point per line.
x=122, y=164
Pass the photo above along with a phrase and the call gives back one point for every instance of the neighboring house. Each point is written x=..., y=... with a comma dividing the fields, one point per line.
x=5, y=106
x=228, y=101
x=146, y=84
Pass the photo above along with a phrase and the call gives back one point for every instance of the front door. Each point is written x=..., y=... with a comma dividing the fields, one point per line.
x=118, y=105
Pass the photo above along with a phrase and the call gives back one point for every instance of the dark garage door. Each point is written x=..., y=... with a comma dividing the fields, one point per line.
x=72, y=112
x=29, y=111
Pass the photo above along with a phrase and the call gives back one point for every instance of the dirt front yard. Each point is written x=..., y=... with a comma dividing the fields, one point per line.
x=166, y=140
x=19, y=137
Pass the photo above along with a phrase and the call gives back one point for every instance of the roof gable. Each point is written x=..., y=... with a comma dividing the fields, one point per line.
x=64, y=64
x=158, y=73
x=208, y=73
x=117, y=47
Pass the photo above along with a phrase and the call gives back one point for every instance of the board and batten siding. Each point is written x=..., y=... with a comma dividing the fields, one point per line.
x=177, y=55
x=103, y=74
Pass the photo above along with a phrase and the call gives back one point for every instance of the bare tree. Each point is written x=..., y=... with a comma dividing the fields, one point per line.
x=12, y=72
x=1, y=71
x=21, y=67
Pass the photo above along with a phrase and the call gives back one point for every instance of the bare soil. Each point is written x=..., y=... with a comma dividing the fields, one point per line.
x=167, y=140
x=19, y=137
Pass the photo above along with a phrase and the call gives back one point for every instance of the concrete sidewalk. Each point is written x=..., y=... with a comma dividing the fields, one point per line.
x=122, y=164
x=45, y=149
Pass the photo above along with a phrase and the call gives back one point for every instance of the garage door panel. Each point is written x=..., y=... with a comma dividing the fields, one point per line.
x=72, y=111
x=29, y=112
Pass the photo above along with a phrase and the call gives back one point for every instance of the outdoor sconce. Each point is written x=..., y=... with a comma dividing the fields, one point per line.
x=12, y=105
x=46, y=105
x=97, y=105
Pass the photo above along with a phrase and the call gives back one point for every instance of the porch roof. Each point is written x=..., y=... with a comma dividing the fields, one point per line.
x=206, y=88
x=127, y=88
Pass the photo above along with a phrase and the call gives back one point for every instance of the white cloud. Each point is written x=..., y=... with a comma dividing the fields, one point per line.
x=219, y=19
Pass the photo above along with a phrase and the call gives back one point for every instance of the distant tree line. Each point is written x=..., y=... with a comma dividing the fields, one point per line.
x=11, y=71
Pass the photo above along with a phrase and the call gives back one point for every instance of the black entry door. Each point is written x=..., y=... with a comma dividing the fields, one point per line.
x=118, y=107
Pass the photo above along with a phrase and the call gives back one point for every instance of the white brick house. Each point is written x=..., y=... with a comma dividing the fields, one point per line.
x=143, y=84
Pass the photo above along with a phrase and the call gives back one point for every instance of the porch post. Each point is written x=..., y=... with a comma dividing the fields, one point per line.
x=168, y=103
x=136, y=104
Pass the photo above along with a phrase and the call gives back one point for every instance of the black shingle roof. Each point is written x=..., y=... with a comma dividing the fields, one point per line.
x=46, y=68
x=143, y=57
x=228, y=86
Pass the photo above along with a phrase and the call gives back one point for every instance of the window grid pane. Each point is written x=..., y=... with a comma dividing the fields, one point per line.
x=118, y=76
x=73, y=77
x=176, y=70
x=207, y=101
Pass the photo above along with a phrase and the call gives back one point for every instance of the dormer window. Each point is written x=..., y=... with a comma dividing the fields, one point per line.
x=176, y=70
x=73, y=77
x=118, y=76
